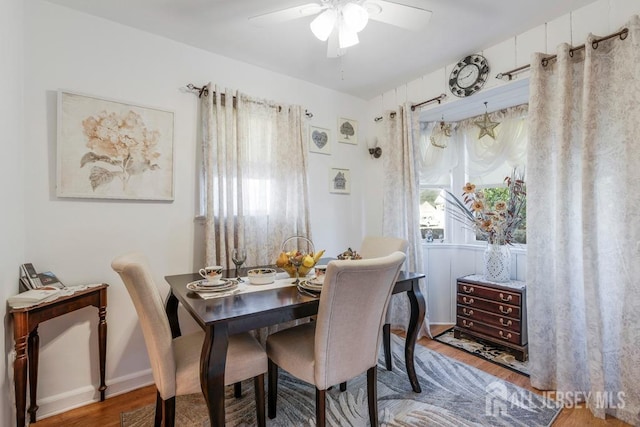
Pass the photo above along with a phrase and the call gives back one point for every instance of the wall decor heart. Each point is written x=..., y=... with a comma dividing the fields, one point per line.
x=320, y=138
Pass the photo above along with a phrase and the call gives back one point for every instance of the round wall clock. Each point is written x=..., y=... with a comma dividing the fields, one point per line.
x=469, y=75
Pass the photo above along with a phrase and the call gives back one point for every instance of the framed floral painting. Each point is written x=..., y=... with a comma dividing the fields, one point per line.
x=113, y=150
x=347, y=131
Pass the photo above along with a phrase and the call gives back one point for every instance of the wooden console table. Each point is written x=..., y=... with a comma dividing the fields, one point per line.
x=494, y=312
x=25, y=332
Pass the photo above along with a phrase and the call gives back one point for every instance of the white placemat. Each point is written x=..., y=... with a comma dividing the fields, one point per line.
x=282, y=281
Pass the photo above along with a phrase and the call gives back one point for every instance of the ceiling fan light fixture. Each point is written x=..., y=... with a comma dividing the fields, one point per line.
x=355, y=17
x=322, y=25
x=346, y=37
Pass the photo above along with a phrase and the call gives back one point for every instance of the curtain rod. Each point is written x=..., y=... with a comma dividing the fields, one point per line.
x=205, y=91
x=545, y=61
x=438, y=98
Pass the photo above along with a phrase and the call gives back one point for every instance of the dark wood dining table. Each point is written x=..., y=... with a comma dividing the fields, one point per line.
x=225, y=316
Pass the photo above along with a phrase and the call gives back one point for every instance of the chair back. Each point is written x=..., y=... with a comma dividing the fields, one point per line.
x=378, y=246
x=354, y=299
x=134, y=271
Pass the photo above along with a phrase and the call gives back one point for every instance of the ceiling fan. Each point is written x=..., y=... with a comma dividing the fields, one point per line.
x=340, y=21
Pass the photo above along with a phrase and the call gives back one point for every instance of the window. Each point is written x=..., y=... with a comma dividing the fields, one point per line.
x=494, y=194
x=466, y=158
x=432, y=215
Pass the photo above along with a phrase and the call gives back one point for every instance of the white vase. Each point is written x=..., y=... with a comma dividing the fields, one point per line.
x=497, y=263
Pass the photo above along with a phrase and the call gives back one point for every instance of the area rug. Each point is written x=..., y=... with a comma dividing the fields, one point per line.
x=453, y=394
x=484, y=350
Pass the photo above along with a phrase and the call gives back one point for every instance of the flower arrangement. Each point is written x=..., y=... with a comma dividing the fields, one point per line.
x=493, y=219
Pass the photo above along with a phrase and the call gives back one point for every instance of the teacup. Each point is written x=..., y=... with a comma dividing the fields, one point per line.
x=212, y=273
x=320, y=271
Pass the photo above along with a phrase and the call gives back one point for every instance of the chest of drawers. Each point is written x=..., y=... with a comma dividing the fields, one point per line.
x=493, y=312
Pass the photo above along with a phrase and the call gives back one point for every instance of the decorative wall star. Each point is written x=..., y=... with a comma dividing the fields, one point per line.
x=487, y=127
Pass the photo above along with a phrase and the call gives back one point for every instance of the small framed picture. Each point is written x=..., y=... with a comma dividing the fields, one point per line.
x=319, y=140
x=347, y=131
x=339, y=181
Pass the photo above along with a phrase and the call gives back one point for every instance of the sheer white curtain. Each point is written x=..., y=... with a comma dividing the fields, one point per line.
x=401, y=201
x=487, y=160
x=583, y=255
x=256, y=176
x=490, y=160
x=436, y=163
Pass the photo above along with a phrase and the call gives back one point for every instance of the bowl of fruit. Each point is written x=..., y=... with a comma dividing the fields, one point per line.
x=298, y=255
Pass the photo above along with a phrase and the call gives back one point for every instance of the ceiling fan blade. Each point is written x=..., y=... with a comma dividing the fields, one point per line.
x=280, y=16
x=400, y=15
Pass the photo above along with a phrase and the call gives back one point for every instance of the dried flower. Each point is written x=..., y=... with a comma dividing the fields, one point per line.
x=496, y=223
x=477, y=206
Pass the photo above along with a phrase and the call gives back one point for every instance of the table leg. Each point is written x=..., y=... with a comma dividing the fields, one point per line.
x=171, y=308
x=212, y=365
x=33, y=350
x=102, y=347
x=417, y=303
x=20, y=366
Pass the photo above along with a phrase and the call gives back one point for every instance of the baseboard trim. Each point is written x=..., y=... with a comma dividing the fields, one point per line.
x=63, y=402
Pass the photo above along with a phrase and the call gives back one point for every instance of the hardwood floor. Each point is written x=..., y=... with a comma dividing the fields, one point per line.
x=107, y=413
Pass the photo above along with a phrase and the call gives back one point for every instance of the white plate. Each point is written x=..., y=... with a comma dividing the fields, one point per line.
x=196, y=287
x=315, y=281
x=310, y=286
x=206, y=283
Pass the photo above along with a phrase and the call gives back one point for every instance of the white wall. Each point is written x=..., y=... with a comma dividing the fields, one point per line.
x=11, y=184
x=444, y=263
x=78, y=238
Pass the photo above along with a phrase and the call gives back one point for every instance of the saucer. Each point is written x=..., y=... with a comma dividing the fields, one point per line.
x=315, y=281
x=304, y=284
x=208, y=283
x=226, y=286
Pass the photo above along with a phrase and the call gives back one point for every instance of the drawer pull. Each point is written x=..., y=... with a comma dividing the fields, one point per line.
x=506, y=337
x=467, y=312
x=503, y=311
x=469, y=325
x=507, y=299
x=507, y=323
x=468, y=290
x=468, y=301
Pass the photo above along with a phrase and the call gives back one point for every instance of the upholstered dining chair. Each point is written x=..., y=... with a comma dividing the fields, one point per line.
x=343, y=342
x=374, y=247
x=175, y=362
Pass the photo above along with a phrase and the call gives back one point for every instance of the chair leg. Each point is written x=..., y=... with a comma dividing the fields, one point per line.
x=237, y=390
x=258, y=383
x=343, y=386
x=320, y=408
x=169, y=412
x=386, y=343
x=157, y=422
x=273, y=389
x=372, y=394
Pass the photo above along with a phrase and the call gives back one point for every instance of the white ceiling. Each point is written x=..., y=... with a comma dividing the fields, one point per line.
x=386, y=57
